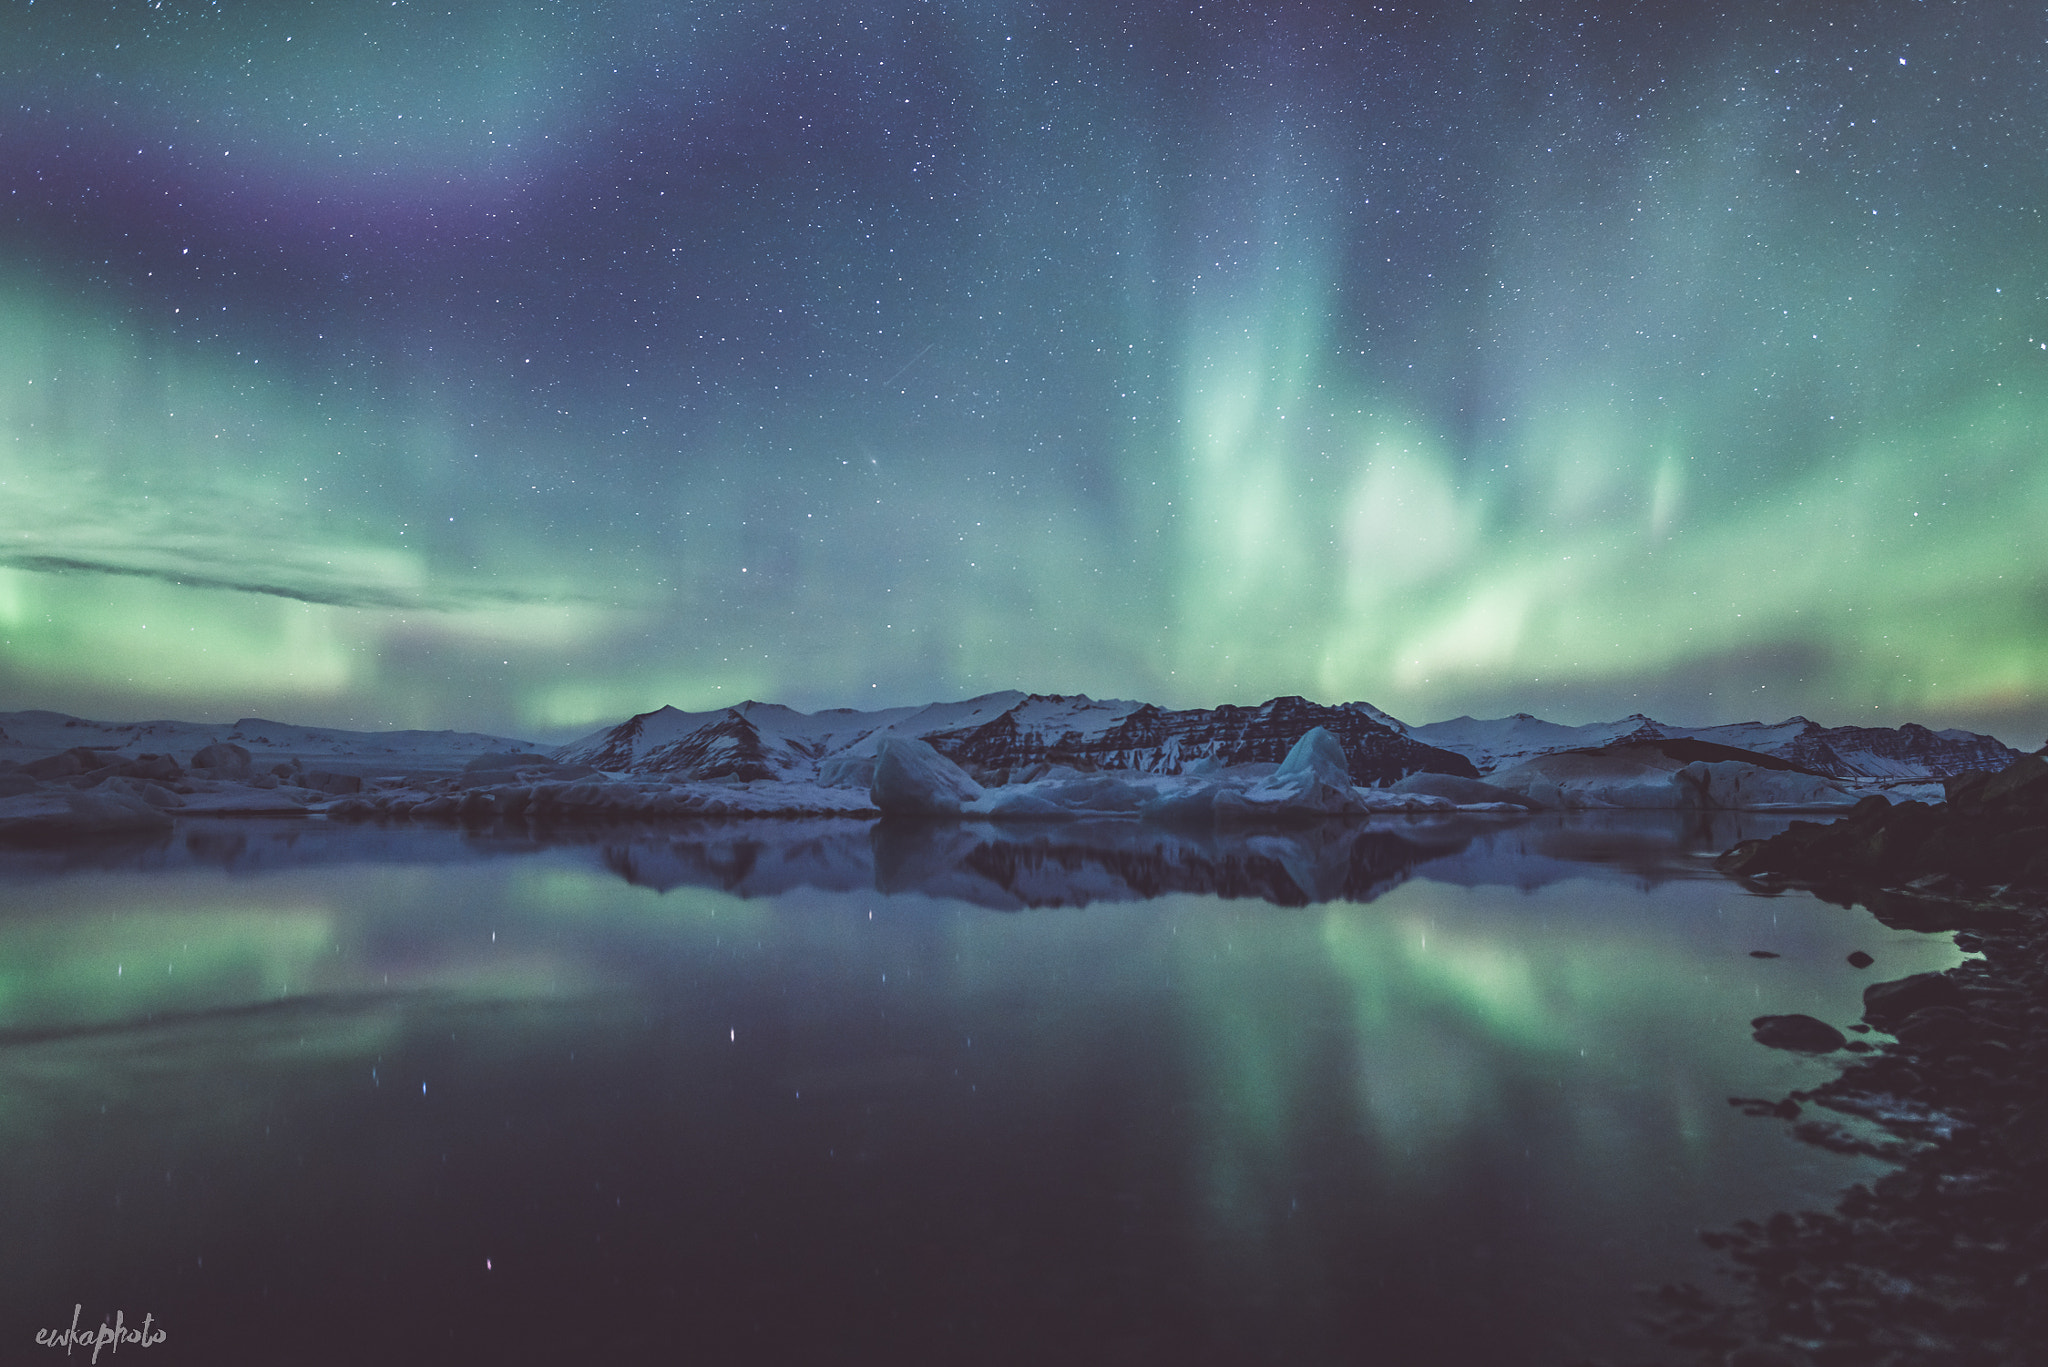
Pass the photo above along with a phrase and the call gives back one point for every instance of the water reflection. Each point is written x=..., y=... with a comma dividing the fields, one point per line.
x=1406, y=1093
x=1005, y=866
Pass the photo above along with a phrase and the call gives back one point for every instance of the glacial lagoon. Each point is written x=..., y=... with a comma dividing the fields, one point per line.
x=1417, y=1091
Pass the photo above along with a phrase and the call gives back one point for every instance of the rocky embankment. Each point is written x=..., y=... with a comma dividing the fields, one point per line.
x=1944, y=1260
x=1991, y=831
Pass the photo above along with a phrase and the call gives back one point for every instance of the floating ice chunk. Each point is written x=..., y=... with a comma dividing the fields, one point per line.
x=1730, y=785
x=1027, y=807
x=1099, y=793
x=1194, y=805
x=1314, y=780
x=65, y=814
x=1386, y=800
x=912, y=779
x=1464, y=792
x=847, y=771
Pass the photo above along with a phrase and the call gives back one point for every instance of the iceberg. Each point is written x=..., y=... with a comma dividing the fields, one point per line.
x=913, y=779
x=1314, y=780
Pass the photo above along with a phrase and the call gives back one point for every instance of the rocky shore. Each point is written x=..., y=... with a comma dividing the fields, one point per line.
x=1945, y=1259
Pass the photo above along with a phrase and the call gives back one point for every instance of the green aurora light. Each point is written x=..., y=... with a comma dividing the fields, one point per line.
x=1700, y=369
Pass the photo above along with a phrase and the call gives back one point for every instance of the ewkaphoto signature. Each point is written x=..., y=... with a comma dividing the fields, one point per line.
x=105, y=1336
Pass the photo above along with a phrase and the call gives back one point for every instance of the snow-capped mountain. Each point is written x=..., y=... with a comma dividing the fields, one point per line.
x=1503, y=741
x=754, y=741
x=1906, y=752
x=44, y=732
x=1155, y=740
x=1870, y=752
x=1007, y=732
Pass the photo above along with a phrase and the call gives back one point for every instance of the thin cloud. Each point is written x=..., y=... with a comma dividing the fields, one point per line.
x=342, y=596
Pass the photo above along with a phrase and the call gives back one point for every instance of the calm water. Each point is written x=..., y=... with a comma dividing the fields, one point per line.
x=1418, y=1093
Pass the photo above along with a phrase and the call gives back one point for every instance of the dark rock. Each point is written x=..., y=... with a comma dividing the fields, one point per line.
x=1803, y=1034
x=1748, y=855
x=1886, y=1004
x=1858, y=959
x=155, y=768
x=1763, y=954
x=2024, y=782
x=224, y=759
x=1992, y=829
x=1936, y=1027
x=64, y=764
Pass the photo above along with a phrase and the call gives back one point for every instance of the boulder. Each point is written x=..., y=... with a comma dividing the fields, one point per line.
x=1936, y=1027
x=1887, y=1004
x=155, y=768
x=913, y=779
x=224, y=759
x=1801, y=1034
x=64, y=764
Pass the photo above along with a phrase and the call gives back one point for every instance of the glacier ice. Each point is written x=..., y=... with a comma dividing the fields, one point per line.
x=913, y=779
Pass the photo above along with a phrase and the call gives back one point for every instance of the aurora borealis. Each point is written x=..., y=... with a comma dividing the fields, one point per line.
x=520, y=366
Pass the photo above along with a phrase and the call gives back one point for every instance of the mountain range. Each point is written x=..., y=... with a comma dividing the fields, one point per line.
x=1012, y=736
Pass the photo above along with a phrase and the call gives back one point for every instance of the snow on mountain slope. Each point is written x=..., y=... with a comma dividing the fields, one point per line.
x=1509, y=740
x=41, y=732
x=749, y=742
x=1154, y=740
x=1002, y=734
x=1854, y=752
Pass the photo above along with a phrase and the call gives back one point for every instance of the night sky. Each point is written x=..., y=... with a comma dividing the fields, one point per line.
x=520, y=366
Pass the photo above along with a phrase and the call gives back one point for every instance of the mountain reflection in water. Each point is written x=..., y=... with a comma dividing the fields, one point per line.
x=794, y=1092
x=1005, y=866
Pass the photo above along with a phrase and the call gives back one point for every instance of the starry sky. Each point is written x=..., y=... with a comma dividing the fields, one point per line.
x=514, y=365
